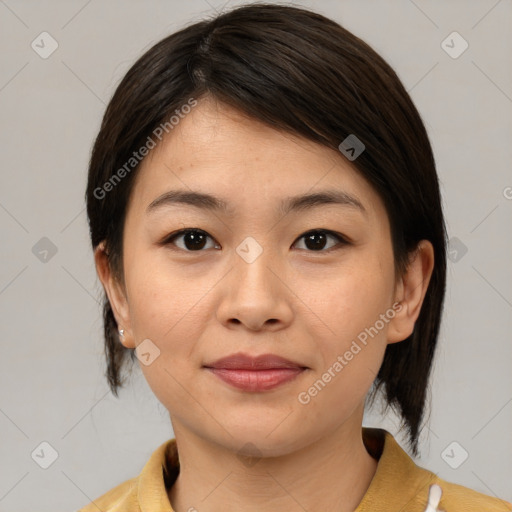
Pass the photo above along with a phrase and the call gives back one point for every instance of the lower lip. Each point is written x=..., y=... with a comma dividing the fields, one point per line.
x=256, y=380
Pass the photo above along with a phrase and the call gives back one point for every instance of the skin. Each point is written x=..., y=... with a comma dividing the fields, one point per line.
x=294, y=301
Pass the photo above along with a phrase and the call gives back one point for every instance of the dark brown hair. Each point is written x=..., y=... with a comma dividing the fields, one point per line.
x=303, y=73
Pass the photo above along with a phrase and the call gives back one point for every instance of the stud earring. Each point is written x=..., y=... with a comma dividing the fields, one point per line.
x=121, y=333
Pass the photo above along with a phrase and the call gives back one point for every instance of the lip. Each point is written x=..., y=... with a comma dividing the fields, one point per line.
x=260, y=373
x=241, y=361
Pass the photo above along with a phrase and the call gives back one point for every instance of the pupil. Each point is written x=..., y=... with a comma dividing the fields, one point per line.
x=194, y=240
x=311, y=238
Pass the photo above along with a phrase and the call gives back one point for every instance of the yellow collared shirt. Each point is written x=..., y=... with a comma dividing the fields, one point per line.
x=399, y=485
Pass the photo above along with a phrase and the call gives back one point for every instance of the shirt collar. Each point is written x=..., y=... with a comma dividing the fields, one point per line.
x=161, y=469
x=397, y=482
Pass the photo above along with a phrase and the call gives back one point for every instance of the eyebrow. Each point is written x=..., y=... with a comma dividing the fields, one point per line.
x=290, y=204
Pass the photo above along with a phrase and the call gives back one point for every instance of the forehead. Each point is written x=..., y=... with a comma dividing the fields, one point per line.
x=218, y=150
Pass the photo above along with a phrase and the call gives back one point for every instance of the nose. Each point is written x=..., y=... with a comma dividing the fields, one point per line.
x=256, y=294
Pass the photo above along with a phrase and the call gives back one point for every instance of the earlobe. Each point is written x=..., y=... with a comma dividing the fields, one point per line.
x=411, y=292
x=116, y=295
x=125, y=339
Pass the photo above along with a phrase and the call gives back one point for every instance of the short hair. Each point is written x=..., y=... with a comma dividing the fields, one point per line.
x=302, y=73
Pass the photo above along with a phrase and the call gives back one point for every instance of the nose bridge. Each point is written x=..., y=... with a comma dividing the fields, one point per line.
x=254, y=266
x=254, y=294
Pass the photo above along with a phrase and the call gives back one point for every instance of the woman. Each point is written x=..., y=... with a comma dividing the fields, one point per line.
x=267, y=225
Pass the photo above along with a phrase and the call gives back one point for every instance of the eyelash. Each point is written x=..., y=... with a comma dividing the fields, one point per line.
x=342, y=240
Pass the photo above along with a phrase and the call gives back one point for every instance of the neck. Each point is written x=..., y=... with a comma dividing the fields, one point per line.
x=331, y=474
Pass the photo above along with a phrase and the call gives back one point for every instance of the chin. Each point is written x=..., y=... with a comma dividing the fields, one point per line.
x=255, y=441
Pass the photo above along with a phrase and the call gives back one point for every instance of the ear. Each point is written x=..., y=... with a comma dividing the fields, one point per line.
x=410, y=292
x=116, y=294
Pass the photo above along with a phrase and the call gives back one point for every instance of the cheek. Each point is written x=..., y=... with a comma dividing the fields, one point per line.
x=349, y=300
x=351, y=337
x=164, y=305
x=172, y=308
x=165, y=310
x=348, y=360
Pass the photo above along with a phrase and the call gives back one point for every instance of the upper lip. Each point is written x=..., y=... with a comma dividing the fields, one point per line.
x=241, y=361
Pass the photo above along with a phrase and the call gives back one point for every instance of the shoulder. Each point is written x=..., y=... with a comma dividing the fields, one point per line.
x=457, y=498
x=401, y=484
x=148, y=490
x=121, y=498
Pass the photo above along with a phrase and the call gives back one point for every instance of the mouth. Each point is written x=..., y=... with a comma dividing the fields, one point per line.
x=257, y=380
x=255, y=374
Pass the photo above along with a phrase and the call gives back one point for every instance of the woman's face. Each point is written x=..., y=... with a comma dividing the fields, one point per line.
x=255, y=282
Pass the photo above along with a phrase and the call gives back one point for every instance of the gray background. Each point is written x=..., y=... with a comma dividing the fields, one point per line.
x=51, y=369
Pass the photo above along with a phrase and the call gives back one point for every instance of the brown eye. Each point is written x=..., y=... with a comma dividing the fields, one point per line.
x=317, y=240
x=193, y=239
